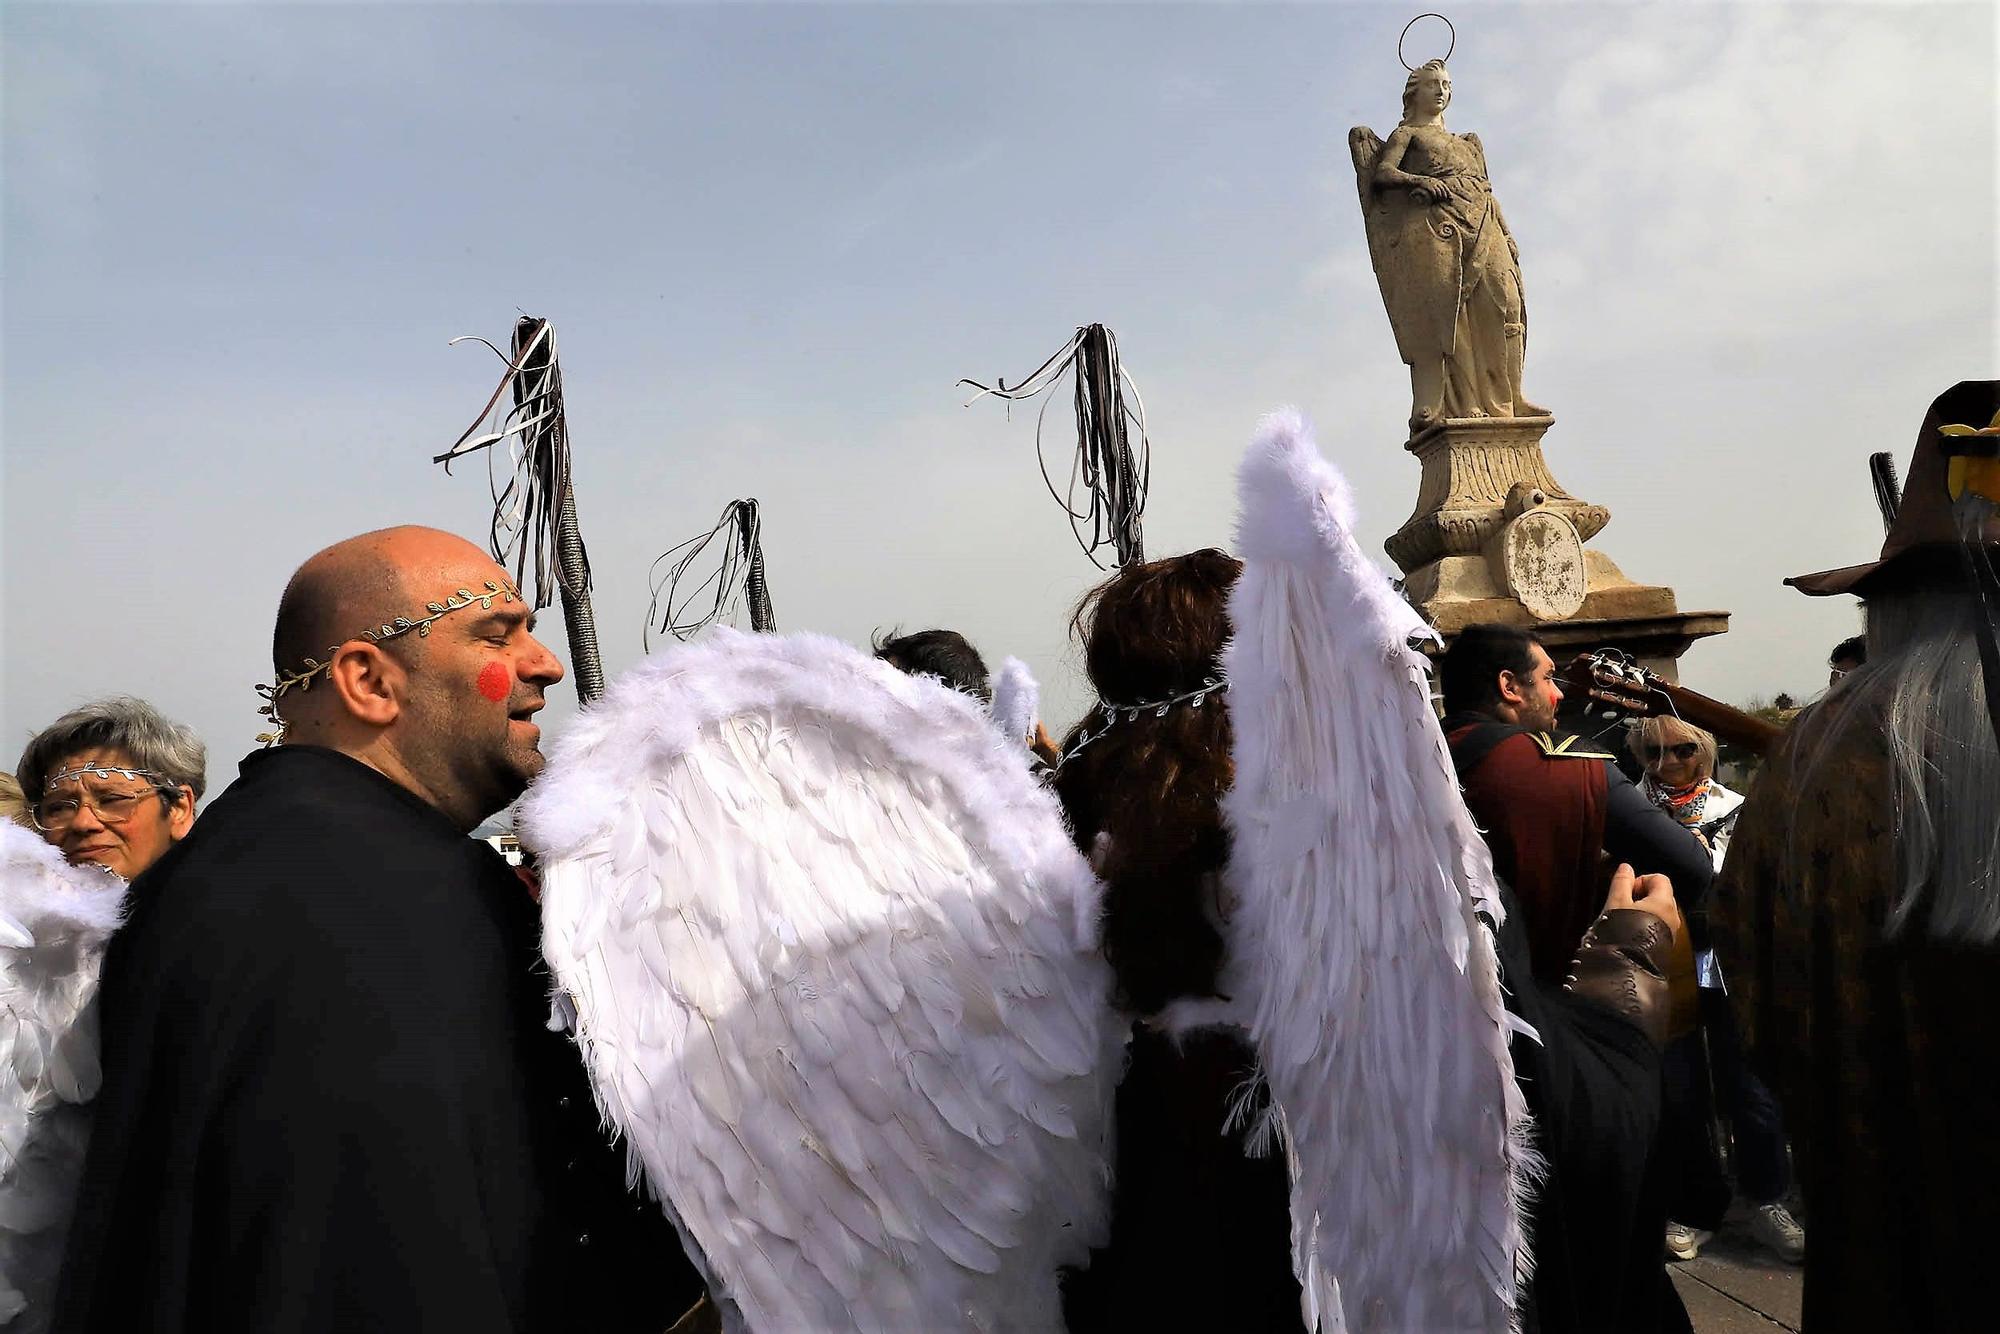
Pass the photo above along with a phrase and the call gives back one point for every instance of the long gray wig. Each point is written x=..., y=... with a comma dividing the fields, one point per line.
x=1922, y=683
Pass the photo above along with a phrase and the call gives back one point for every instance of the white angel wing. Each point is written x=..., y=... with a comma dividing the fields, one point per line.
x=816, y=919
x=1375, y=994
x=1017, y=699
x=54, y=921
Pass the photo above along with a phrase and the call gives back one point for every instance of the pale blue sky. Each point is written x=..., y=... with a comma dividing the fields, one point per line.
x=1756, y=240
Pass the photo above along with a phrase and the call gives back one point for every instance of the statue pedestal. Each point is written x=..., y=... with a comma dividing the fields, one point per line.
x=1495, y=538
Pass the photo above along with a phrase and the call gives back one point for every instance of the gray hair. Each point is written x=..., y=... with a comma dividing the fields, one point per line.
x=1667, y=730
x=1923, y=686
x=166, y=748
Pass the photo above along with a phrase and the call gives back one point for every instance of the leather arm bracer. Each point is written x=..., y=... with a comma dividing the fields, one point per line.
x=1622, y=967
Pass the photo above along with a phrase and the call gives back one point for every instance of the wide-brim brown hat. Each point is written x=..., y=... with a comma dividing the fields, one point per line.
x=1924, y=538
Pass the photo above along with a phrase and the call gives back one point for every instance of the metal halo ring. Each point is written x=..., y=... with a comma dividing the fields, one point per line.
x=1453, y=46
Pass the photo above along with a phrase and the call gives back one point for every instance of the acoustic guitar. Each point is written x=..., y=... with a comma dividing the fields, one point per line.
x=1614, y=679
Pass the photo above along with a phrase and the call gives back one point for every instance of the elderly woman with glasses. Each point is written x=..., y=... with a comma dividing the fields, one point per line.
x=113, y=784
x=108, y=788
x=1706, y=1071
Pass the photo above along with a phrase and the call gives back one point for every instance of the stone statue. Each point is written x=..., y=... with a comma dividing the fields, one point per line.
x=1449, y=269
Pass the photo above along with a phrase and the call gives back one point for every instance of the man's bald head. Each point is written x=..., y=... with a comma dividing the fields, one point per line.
x=446, y=710
x=366, y=582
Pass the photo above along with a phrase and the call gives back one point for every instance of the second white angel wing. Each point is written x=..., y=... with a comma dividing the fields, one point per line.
x=816, y=921
x=1377, y=1012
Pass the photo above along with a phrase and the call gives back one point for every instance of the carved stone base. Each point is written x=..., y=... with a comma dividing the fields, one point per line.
x=1491, y=542
x=1470, y=464
x=1643, y=619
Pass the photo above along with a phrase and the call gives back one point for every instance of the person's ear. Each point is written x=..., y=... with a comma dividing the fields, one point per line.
x=1510, y=688
x=180, y=817
x=368, y=682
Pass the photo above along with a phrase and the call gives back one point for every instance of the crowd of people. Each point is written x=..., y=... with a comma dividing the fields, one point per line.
x=294, y=1069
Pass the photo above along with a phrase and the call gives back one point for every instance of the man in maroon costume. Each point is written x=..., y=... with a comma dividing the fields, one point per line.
x=1552, y=806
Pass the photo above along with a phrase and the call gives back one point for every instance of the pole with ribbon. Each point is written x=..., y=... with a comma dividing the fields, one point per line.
x=534, y=514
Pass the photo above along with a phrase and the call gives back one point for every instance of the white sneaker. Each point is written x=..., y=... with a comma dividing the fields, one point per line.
x=1773, y=1225
x=1685, y=1243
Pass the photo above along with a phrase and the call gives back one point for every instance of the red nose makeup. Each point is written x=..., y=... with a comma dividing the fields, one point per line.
x=495, y=682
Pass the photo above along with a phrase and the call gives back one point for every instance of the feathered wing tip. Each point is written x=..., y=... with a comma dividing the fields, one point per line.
x=816, y=926
x=1375, y=994
x=1017, y=699
x=1281, y=468
x=41, y=893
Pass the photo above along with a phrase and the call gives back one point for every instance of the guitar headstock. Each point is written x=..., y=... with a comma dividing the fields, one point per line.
x=1614, y=679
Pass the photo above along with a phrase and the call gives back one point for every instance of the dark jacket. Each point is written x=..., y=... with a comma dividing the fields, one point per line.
x=1591, y=1077
x=331, y=1099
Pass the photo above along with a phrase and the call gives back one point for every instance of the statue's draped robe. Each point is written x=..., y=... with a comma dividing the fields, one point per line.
x=1443, y=266
x=1883, y=1050
x=331, y=1100
x=1475, y=372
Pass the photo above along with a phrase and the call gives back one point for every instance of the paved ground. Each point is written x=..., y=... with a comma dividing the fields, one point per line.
x=1738, y=1287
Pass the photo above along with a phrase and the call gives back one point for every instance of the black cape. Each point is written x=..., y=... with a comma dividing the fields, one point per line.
x=1201, y=1231
x=331, y=1100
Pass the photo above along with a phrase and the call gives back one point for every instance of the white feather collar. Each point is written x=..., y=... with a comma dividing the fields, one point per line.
x=43, y=896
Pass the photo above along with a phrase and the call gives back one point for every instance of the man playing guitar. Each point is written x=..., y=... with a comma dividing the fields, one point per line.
x=1553, y=807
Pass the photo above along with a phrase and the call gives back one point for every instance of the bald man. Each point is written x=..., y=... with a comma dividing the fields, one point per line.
x=332, y=1100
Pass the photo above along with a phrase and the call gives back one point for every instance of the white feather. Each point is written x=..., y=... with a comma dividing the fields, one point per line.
x=56, y=919
x=1017, y=700
x=816, y=920
x=1373, y=990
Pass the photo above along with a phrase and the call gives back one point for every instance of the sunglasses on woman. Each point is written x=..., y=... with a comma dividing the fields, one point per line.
x=1680, y=750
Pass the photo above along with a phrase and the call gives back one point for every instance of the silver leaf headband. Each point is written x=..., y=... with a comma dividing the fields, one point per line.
x=1130, y=713
x=97, y=769
x=402, y=625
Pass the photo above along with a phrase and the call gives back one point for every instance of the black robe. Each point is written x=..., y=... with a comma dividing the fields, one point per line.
x=331, y=1100
x=1201, y=1232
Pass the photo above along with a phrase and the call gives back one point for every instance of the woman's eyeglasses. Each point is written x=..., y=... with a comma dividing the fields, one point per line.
x=56, y=812
x=1680, y=750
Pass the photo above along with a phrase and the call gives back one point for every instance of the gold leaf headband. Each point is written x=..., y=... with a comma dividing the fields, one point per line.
x=402, y=625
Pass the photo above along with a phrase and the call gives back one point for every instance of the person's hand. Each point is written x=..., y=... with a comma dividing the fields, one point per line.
x=1647, y=893
x=1433, y=187
x=1044, y=747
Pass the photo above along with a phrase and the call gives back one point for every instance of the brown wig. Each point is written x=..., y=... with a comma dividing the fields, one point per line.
x=1155, y=784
